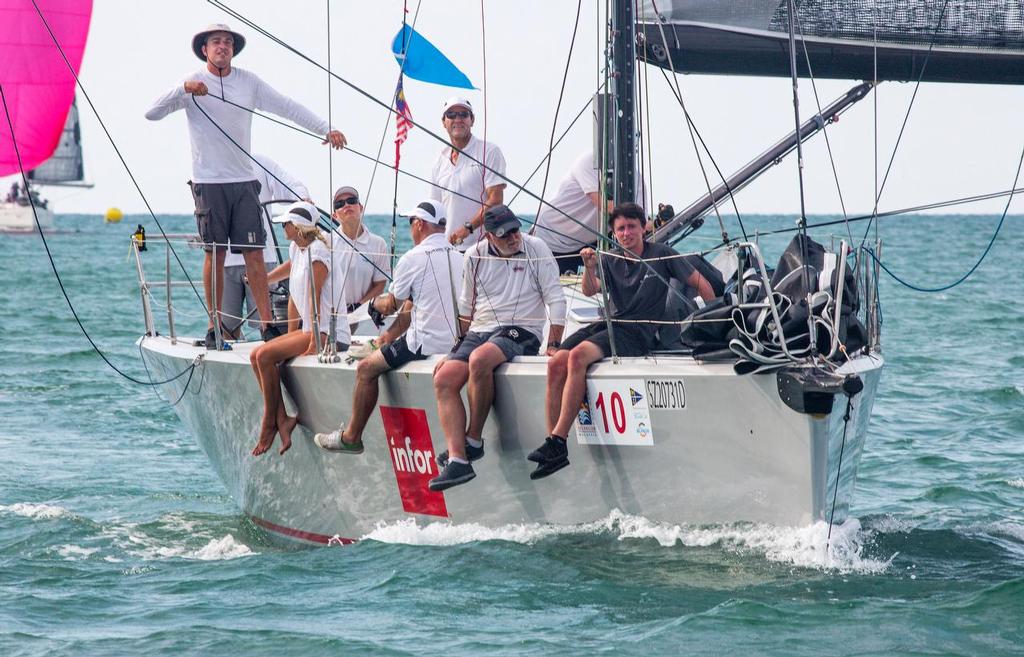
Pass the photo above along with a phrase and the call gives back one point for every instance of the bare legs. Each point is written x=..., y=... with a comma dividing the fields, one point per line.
x=265, y=360
x=567, y=383
x=364, y=397
x=449, y=379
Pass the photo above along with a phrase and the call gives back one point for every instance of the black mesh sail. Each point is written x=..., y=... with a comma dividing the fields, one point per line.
x=65, y=165
x=978, y=41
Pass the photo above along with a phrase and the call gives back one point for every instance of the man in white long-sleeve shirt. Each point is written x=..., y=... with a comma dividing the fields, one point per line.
x=223, y=185
x=510, y=290
x=276, y=184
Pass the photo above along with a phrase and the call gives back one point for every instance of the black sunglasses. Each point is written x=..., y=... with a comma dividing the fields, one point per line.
x=342, y=202
x=452, y=114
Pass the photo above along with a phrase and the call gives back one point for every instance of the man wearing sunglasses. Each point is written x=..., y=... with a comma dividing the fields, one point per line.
x=219, y=101
x=467, y=178
x=423, y=294
x=510, y=289
x=364, y=280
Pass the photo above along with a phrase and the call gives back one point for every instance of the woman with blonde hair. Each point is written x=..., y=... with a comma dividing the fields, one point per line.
x=316, y=281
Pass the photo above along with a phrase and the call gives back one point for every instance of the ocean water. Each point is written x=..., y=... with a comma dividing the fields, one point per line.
x=116, y=537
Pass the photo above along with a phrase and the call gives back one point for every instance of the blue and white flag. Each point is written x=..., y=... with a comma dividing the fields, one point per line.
x=424, y=62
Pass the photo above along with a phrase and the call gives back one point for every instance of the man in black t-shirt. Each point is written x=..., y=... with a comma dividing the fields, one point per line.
x=637, y=289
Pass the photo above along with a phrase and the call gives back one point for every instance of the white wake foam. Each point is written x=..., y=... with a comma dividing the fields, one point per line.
x=36, y=511
x=1016, y=483
x=807, y=547
x=75, y=552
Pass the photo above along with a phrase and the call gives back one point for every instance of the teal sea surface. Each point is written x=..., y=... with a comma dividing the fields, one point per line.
x=117, y=538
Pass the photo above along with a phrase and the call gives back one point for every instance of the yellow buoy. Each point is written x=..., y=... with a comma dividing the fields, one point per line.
x=113, y=216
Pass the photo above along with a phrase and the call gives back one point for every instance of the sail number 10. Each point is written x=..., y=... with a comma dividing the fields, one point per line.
x=615, y=412
x=618, y=410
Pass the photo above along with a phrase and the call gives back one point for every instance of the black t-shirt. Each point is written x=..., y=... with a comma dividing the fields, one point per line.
x=635, y=291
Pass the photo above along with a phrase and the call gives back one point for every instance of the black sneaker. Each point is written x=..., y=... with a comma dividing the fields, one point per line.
x=472, y=454
x=454, y=473
x=210, y=342
x=270, y=332
x=551, y=457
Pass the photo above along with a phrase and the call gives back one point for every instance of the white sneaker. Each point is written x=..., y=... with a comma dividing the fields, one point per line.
x=332, y=442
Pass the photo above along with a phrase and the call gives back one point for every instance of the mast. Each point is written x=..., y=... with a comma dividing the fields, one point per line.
x=622, y=122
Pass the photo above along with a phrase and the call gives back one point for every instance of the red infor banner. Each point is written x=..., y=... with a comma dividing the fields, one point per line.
x=412, y=457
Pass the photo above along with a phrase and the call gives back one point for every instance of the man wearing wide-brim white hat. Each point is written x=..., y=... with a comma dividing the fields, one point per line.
x=219, y=101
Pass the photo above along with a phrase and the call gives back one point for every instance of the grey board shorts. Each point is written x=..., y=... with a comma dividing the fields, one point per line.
x=229, y=212
x=512, y=340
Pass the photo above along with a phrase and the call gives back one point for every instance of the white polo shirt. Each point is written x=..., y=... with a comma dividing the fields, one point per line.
x=468, y=178
x=523, y=289
x=430, y=274
x=332, y=293
x=361, y=274
x=271, y=190
x=565, y=235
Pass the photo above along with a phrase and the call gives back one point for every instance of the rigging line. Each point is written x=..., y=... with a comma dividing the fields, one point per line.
x=824, y=125
x=558, y=106
x=195, y=101
x=557, y=142
x=874, y=100
x=601, y=237
x=234, y=14
x=692, y=127
x=695, y=131
x=839, y=467
x=805, y=275
x=53, y=265
x=117, y=150
x=387, y=120
x=988, y=248
x=483, y=150
x=910, y=106
x=689, y=124
x=647, y=132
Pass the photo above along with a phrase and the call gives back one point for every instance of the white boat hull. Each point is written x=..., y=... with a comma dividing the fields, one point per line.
x=722, y=447
x=19, y=218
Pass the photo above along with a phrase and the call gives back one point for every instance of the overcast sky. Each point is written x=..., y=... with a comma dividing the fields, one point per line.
x=960, y=140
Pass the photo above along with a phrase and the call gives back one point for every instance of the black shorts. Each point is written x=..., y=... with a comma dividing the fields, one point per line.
x=512, y=340
x=397, y=353
x=229, y=212
x=630, y=339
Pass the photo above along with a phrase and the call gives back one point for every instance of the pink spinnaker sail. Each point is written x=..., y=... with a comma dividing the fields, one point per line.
x=36, y=82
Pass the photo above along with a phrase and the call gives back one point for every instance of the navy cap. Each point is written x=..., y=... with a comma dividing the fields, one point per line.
x=500, y=221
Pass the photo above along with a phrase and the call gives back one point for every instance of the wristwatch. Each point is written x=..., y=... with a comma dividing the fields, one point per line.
x=469, y=226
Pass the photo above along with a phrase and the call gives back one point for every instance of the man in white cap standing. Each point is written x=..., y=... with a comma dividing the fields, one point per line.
x=465, y=186
x=224, y=188
x=423, y=293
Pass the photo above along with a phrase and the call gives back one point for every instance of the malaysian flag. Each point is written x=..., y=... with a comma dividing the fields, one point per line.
x=403, y=120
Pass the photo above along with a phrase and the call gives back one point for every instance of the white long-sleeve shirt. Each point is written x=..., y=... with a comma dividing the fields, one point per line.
x=271, y=190
x=214, y=158
x=520, y=290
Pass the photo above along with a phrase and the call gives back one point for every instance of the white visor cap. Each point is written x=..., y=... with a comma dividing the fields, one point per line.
x=299, y=213
x=430, y=211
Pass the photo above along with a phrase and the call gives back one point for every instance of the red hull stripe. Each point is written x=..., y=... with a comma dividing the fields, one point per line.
x=298, y=533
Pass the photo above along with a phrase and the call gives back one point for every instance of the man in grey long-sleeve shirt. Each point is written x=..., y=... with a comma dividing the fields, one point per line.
x=224, y=188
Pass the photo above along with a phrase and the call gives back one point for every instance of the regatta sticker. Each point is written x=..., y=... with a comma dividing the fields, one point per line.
x=615, y=412
x=412, y=457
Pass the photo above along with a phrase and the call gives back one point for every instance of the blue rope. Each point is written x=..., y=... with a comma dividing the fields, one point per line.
x=1002, y=219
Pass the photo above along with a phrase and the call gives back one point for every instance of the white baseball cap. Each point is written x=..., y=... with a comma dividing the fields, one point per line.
x=299, y=213
x=457, y=101
x=429, y=211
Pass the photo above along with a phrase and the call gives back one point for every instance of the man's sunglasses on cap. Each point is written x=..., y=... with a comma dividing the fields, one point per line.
x=457, y=114
x=342, y=202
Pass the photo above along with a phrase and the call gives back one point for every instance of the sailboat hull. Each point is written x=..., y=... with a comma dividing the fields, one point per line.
x=722, y=448
x=19, y=218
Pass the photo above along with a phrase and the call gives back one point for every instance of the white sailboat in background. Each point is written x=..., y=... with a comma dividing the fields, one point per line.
x=64, y=168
